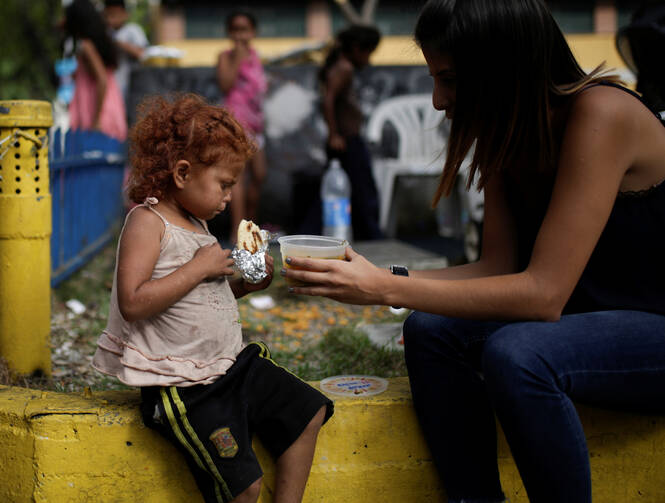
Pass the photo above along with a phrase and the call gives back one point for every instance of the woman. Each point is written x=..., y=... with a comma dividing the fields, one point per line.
x=97, y=103
x=567, y=302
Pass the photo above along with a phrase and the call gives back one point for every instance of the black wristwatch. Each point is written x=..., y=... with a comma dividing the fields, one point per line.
x=399, y=270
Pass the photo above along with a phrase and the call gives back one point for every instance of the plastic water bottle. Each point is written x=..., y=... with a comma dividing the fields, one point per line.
x=336, y=200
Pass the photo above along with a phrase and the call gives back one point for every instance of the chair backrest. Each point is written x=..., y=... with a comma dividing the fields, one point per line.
x=418, y=125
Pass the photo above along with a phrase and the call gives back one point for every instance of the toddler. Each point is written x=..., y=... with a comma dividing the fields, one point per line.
x=173, y=326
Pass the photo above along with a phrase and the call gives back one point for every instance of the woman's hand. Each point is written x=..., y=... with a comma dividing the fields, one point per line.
x=214, y=261
x=270, y=268
x=354, y=280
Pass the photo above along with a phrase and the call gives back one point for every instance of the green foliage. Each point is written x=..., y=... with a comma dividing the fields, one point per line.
x=30, y=44
x=140, y=13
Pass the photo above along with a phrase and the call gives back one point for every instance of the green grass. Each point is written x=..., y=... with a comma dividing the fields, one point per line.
x=343, y=351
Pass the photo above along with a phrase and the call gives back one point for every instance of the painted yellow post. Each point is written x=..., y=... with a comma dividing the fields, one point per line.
x=25, y=230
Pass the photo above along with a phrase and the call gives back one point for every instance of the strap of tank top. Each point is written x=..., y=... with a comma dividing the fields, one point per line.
x=148, y=203
x=631, y=92
x=204, y=224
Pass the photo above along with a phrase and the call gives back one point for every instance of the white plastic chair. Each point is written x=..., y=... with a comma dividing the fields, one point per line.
x=422, y=139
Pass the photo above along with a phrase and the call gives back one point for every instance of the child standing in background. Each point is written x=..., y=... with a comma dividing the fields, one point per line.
x=241, y=78
x=344, y=118
x=173, y=326
x=130, y=40
x=97, y=103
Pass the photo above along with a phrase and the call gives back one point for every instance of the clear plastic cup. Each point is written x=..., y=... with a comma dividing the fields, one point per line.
x=310, y=247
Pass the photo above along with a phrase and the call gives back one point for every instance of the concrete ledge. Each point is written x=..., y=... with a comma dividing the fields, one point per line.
x=60, y=447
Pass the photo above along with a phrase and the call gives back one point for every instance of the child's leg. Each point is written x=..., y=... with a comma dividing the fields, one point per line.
x=292, y=467
x=249, y=495
x=287, y=414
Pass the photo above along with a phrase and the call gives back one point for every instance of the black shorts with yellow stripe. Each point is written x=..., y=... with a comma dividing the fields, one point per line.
x=213, y=424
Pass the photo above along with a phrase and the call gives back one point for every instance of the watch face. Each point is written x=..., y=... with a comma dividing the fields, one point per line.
x=399, y=270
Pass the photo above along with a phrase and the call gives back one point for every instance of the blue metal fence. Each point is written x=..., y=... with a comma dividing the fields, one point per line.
x=86, y=170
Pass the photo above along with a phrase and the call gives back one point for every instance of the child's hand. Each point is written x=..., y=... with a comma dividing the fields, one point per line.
x=214, y=260
x=240, y=50
x=270, y=266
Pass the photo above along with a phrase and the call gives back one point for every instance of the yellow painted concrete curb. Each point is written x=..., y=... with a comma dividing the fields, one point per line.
x=76, y=447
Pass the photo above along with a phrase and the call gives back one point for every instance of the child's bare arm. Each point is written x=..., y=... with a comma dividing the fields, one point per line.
x=240, y=287
x=227, y=68
x=134, y=51
x=93, y=60
x=139, y=296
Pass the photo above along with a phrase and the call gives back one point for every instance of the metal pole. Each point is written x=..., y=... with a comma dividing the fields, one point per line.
x=25, y=230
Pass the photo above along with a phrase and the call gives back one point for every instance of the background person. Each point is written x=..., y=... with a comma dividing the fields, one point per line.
x=97, y=103
x=130, y=41
x=567, y=302
x=344, y=118
x=241, y=79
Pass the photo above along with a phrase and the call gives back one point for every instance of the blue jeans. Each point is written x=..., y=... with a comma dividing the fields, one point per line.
x=462, y=372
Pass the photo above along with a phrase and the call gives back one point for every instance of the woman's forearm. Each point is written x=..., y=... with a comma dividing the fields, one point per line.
x=503, y=297
x=466, y=271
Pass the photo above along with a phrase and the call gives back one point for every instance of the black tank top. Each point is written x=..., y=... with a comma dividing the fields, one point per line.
x=627, y=267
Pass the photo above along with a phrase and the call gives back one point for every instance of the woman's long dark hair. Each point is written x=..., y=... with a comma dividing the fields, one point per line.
x=82, y=20
x=361, y=36
x=512, y=62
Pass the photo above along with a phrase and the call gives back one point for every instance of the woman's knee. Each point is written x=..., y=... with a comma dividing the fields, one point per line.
x=419, y=325
x=416, y=332
x=513, y=354
x=430, y=334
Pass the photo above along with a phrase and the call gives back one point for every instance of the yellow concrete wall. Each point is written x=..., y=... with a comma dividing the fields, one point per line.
x=60, y=447
x=590, y=49
x=73, y=448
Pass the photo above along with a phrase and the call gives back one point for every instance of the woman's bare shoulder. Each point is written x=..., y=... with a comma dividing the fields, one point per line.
x=342, y=67
x=609, y=103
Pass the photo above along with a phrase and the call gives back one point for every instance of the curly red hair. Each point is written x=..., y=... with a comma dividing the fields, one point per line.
x=175, y=127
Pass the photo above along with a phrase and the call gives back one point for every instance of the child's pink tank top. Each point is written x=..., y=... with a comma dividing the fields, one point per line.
x=192, y=342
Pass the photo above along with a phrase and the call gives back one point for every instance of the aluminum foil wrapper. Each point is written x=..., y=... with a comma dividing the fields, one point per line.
x=252, y=266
